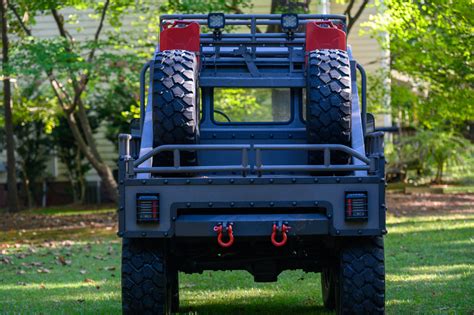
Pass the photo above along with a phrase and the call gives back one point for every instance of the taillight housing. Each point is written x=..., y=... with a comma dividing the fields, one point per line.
x=356, y=208
x=148, y=208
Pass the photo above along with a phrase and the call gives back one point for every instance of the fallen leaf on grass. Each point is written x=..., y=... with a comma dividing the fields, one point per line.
x=20, y=272
x=99, y=257
x=5, y=260
x=63, y=261
x=67, y=243
x=43, y=270
x=42, y=286
x=82, y=271
x=88, y=280
x=109, y=268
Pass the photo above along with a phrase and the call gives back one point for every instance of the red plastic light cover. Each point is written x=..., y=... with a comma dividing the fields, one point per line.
x=324, y=35
x=180, y=35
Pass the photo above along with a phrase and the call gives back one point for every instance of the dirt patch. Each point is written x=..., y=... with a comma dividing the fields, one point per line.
x=27, y=221
x=429, y=204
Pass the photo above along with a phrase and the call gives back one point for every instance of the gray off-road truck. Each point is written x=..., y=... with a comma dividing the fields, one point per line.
x=254, y=152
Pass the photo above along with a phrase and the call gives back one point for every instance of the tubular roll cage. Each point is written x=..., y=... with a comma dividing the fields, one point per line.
x=272, y=47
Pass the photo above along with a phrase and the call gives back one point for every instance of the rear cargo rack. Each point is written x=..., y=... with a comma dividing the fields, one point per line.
x=252, y=38
x=134, y=166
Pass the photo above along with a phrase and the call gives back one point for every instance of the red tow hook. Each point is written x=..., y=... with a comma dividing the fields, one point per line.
x=218, y=229
x=284, y=237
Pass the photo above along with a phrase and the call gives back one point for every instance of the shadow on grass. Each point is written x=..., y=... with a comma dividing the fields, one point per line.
x=254, y=306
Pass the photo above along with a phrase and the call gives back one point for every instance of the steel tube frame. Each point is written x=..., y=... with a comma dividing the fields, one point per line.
x=142, y=94
x=340, y=17
x=313, y=147
x=363, y=83
x=244, y=166
x=190, y=147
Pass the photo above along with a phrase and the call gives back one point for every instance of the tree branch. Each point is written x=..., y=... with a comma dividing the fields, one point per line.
x=20, y=20
x=99, y=30
x=61, y=93
x=235, y=9
x=85, y=75
x=59, y=19
x=353, y=18
x=349, y=8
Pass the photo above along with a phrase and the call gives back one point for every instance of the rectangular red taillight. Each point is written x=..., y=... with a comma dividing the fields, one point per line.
x=356, y=206
x=148, y=208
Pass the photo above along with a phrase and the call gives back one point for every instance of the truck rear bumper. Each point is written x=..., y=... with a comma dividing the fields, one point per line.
x=308, y=205
x=252, y=224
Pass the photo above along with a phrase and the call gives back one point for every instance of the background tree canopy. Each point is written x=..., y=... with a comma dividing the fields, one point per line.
x=431, y=45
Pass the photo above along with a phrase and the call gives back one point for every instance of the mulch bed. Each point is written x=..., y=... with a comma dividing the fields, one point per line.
x=429, y=204
x=27, y=221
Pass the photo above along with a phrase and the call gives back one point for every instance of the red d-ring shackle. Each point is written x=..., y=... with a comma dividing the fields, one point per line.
x=284, y=237
x=218, y=229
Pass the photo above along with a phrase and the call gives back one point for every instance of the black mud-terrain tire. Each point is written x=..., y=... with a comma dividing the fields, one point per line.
x=328, y=103
x=360, y=286
x=175, y=99
x=328, y=287
x=146, y=283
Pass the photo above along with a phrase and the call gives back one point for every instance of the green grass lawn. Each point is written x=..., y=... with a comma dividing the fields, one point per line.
x=429, y=263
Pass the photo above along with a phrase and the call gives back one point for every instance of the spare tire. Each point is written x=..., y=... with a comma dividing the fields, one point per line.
x=175, y=100
x=328, y=103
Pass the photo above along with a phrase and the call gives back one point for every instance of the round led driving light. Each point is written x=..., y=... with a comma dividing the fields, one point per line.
x=289, y=21
x=216, y=20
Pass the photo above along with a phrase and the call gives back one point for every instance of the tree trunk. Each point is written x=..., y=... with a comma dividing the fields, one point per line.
x=7, y=102
x=91, y=154
x=27, y=190
x=439, y=173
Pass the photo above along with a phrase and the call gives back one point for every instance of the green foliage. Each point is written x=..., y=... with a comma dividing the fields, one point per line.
x=431, y=43
x=33, y=146
x=117, y=104
x=72, y=158
x=199, y=6
x=243, y=105
x=430, y=152
x=435, y=149
x=431, y=46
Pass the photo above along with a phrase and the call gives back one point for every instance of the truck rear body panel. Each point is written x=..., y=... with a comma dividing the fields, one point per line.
x=310, y=205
